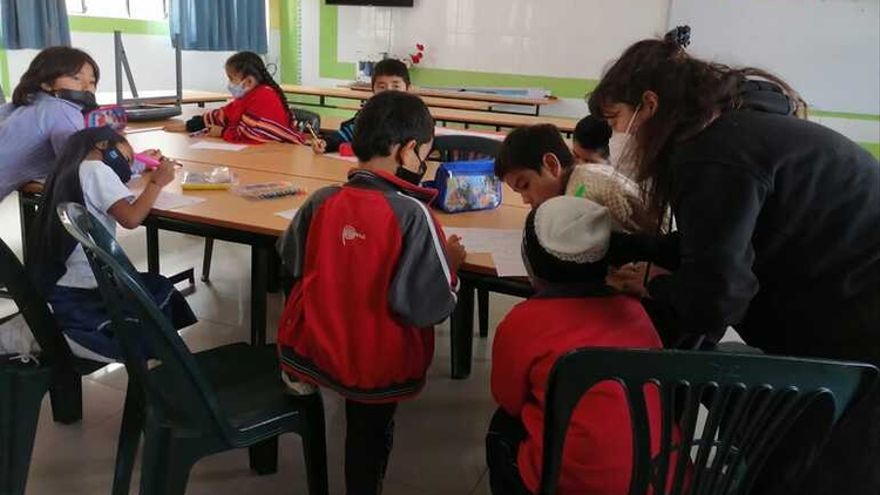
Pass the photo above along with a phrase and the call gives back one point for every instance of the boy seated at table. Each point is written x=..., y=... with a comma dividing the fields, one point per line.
x=564, y=246
x=389, y=74
x=590, y=140
x=373, y=273
x=536, y=163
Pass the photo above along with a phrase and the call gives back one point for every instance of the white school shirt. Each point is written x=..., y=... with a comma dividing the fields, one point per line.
x=101, y=189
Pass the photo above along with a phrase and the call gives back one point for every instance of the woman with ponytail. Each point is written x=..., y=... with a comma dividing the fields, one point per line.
x=259, y=112
x=778, y=225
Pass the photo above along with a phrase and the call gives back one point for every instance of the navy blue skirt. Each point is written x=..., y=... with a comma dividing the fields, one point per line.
x=83, y=317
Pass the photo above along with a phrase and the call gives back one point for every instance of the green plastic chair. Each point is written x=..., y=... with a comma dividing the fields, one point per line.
x=22, y=387
x=759, y=408
x=65, y=390
x=191, y=405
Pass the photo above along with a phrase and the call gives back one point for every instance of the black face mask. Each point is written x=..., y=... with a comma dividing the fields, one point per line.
x=84, y=98
x=414, y=178
x=114, y=159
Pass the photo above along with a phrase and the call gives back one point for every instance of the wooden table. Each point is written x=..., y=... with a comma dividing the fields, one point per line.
x=228, y=217
x=166, y=97
x=285, y=159
x=474, y=96
x=351, y=94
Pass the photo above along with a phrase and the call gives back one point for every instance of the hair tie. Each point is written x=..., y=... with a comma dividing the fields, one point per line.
x=681, y=36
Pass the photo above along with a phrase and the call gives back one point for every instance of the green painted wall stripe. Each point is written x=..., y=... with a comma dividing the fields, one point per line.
x=290, y=42
x=328, y=65
x=4, y=72
x=81, y=23
x=873, y=148
x=845, y=115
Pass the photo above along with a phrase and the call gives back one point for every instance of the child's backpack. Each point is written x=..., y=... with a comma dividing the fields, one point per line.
x=466, y=186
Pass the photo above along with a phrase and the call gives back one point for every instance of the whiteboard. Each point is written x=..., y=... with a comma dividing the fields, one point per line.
x=829, y=50
x=556, y=38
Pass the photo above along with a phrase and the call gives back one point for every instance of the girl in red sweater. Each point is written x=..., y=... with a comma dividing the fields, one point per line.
x=259, y=112
x=564, y=246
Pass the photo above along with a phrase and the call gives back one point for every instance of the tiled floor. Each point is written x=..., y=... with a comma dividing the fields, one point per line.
x=438, y=440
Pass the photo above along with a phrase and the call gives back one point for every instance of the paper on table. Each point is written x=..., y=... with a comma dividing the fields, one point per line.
x=503, y=245
x=170, y=201
x=288, y=214
x=337, y=156
x=213, y=145
x=447, y=131
x=487, y=240
x=509, y=264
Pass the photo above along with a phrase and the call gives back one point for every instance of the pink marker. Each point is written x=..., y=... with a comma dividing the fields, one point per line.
x=148, y=161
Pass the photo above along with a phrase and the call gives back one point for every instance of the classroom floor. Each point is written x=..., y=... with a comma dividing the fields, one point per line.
x=438, y=447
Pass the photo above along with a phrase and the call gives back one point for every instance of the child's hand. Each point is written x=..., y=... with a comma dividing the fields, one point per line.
x=164, y=174
x=176, y=126
x=154, y=154
x=215, y=131
x=456, y=252
x=319, y=146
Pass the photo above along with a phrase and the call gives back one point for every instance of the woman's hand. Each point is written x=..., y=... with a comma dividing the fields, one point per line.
x=176, y=126
x=155, y=154
x=215, y=131
x=630, y=278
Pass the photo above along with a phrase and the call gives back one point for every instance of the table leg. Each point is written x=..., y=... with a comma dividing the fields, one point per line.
x=152, y=250
x=27, y=212
x=461, y=326
x=259, y=283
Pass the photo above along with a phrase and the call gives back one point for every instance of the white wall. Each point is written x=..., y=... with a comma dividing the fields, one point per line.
x=562, y=38
x=152, y=61
x=828, y=49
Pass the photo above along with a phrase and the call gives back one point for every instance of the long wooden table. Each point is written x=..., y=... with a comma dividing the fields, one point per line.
x=228, y=217
x=166, y=97
x=351, y=94
x=474, y=96
x=285, y=159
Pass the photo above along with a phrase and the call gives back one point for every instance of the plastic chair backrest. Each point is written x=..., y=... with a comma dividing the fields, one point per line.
x=457, y=147
x=304, y=117
x=33, y=307
x=753, y=402
x=177, y=388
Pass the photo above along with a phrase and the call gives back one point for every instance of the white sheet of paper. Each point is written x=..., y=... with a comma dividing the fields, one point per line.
x=509, y=264
x=503, y=244
x=448, y=131
x=288, y=214
x=337, y=156
x=170, y=201
x=214, y=145
x=487, y=240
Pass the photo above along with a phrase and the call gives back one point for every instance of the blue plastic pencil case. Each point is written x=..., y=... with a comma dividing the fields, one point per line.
x=466, y=186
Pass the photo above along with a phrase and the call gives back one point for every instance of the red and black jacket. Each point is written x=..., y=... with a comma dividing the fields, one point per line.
x=371, y=278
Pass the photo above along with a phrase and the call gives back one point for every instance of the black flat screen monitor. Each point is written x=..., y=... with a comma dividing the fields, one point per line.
x=375, y=3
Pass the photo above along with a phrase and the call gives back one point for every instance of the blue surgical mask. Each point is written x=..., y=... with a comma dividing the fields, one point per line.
x=236, y=90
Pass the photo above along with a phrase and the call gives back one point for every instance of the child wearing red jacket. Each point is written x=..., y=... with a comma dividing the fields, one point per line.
x=564, y=246
x=372, y=274
x=258, y=113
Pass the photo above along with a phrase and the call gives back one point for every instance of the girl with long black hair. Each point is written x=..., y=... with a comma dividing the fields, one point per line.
x=258, y=113
x=93, y=170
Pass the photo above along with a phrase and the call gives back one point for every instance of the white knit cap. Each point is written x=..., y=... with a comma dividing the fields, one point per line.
x=573, y=229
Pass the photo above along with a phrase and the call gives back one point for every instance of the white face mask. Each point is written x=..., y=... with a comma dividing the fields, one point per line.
x=618, y=154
